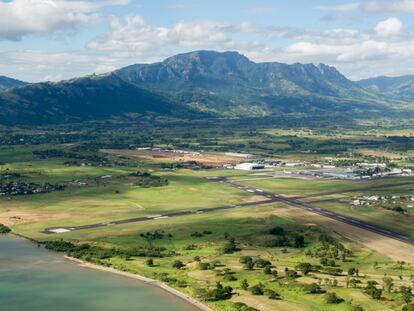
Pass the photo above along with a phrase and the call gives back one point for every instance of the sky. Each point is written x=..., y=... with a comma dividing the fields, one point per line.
x=60, y=39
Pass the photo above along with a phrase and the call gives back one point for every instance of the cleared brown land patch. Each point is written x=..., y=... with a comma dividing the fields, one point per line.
x=12, y=217
x=391, y=248
x=264, y=304
x=213, y=159
x=381, y=153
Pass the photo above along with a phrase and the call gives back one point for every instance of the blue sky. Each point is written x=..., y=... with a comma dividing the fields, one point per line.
x=60, y=39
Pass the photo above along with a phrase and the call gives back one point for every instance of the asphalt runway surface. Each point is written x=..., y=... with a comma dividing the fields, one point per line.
x=293, y=201
x=271, y=198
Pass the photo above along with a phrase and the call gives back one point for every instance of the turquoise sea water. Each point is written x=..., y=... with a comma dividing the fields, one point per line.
x=34, y=279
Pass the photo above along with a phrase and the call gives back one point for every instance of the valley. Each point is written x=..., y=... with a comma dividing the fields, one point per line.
x=169, y=215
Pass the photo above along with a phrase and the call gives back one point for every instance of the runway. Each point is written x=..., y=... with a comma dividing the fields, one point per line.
x=321, y=211
x=271, y=198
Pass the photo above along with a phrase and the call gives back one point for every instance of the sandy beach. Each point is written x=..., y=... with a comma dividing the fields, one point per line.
x=143, y=279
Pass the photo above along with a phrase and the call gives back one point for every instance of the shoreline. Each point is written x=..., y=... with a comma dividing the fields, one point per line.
x=144, y=280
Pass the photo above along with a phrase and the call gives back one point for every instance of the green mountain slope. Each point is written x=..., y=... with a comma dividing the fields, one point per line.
x=231, y=84
x=401, y=88
x=89, y=98
x=8, y=83
x=193, y=85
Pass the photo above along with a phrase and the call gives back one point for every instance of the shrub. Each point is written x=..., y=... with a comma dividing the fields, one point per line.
x=178, y=264
x=313, y=289
x=332, y=298
x=4, y=229
x=257, y=289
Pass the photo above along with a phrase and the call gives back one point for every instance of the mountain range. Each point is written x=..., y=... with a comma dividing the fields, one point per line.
x=401, y=88
x=9, y=83
x=202, y=84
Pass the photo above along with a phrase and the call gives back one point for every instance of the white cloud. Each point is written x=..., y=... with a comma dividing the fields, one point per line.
x=340, y=7
x=375, y=6
x=391, y=27
x=402, y=6
x=134, y=35
x=22, y=17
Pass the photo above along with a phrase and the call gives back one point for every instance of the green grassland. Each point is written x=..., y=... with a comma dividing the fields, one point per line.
x=91, y=196
x=249, y=227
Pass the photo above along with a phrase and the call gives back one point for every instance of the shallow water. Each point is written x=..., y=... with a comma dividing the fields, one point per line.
x=36, y=279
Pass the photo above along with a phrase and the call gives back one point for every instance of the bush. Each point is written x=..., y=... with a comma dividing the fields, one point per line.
x=204, y=266
x=239, y=306
x=372, y=290
x=219, y=293
x=4, y=229
x=257, y=289
x=244, y=285
x=409, y=307
x=178, y=264
x=150, y=262
x=245, y=259
x=277, y=231
x=313, y=289
x=332, y=298
x=230, y=247
x=272, y=294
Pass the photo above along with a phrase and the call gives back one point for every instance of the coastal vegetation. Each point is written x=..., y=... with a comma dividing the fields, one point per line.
x=258, y=256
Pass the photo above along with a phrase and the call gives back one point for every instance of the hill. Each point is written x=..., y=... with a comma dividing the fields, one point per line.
x=196, y=84
x=8, y=83
x=401, y=88
x=88, y=98
x=231, y=84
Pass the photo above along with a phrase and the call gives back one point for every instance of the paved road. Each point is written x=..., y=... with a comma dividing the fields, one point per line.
x=53, y=230
x=315, y=209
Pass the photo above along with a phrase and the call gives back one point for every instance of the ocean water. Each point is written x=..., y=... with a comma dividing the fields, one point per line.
x=35, y=279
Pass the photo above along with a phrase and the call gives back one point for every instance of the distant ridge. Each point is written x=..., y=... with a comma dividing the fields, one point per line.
x=230, y=83
x=8, y=83
x=195, y=85
x=401, y=88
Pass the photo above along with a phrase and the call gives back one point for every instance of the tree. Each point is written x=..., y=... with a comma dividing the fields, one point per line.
x=272, y=294
x=150, y=262
x=261, y=263
x=245, y=259
x=220, y=292
x=299, y=241
x=313, y=288
x=277, y=231
x=178, y=264
x=332, y=298
x=291, y=274
x=372, y=290
x=230, y=247
x=267, y=270
x=353, y=271
x=249, y=265
x=204, y=266
x=406, y=294
x=244, y=285
x=304, y=267
x=257, y=289
x=388, y=284
x=4, y=229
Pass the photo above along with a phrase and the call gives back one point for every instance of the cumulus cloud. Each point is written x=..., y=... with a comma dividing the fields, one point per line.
x=22, y=17
x=375, y=6
x=133, y=34
x=391, y=27
x=386, y=49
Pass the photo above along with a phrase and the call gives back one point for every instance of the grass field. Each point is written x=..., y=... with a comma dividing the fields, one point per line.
x=102, y=192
